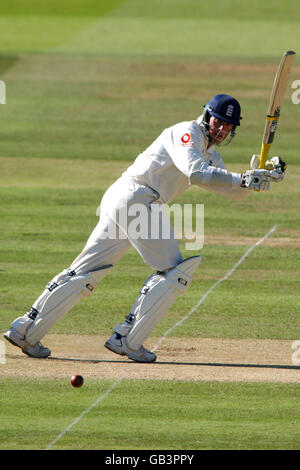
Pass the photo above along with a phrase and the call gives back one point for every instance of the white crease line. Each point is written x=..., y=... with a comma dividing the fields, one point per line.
x=203, y=298
x=85, y=412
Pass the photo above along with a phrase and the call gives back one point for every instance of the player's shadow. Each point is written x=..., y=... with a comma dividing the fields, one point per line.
x=176, y=363
x=157, y=363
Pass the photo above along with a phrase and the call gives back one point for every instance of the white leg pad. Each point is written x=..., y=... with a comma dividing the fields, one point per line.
x=156, y=297
x=60, y=295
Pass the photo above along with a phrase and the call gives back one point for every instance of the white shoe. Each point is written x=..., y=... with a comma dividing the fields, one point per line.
x=117, y=344
x=114, y=344
x=38, y=350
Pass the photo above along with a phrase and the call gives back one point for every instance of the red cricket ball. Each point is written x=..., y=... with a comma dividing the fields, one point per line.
x=77, y=380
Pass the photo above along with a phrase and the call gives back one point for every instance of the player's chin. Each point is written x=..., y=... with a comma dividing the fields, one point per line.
x=218, y=139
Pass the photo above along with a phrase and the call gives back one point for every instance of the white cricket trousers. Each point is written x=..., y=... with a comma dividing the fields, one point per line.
x=109, y=241
x=112, y=237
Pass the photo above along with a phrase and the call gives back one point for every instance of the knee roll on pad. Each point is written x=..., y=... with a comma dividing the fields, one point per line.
x=60, y=295
x=156, y=297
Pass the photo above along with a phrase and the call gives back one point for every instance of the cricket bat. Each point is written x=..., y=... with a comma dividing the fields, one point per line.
x=276, y=99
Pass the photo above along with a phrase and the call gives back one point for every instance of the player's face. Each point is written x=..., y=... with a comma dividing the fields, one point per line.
x=218, y=129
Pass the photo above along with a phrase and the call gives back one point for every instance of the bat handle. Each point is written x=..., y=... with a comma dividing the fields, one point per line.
x=264, y=152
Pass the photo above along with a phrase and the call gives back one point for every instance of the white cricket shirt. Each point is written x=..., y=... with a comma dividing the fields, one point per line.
x=168, y=163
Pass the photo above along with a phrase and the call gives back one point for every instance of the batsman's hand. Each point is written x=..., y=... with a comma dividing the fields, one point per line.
x=275, y=165
x=277, y=168
x=258, y=180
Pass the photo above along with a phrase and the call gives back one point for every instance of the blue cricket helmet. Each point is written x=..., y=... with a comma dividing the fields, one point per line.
x=225, y=107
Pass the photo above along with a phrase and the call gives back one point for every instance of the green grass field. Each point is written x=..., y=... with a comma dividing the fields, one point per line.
x=219, y=417
x=89, y=86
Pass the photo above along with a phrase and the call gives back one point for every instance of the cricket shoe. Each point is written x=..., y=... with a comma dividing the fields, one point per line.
x=38, y=350
x=114, y=344
x=117, y=343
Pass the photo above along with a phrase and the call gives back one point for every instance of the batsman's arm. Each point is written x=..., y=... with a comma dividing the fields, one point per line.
x=257, y=180
x=217, y=177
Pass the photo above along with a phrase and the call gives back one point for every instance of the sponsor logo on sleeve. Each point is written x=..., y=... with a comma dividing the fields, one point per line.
x=186, y=139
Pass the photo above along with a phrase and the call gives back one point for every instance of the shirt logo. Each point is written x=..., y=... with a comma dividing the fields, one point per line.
x=186, y=139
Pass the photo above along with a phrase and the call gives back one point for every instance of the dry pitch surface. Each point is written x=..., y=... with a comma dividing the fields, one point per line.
x=178, y=359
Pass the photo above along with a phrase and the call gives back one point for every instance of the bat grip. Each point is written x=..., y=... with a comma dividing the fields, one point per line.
x=264, y=152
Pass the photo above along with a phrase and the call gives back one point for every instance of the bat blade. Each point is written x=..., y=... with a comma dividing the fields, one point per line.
x=276, y=99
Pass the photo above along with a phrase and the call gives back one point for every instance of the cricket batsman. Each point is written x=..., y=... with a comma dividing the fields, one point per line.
x=184, y=154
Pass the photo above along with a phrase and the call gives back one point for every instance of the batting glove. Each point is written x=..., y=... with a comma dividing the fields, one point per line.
x=258, y=180
x=277, y=168
x=254, y=162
